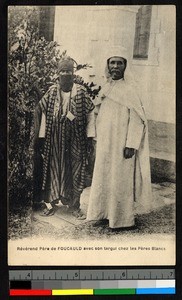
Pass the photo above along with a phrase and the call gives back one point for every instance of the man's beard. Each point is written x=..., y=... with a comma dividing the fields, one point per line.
x=116, y=74
x=66, y=82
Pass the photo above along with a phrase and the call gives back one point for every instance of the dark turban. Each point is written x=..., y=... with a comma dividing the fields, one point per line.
x=67, y=64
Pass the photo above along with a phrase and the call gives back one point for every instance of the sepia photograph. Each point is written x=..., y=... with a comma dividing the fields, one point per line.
x=91, y=135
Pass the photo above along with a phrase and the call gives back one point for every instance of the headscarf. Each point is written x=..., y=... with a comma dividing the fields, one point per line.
x=66, y=80
x=66, y=63
x=123, y=53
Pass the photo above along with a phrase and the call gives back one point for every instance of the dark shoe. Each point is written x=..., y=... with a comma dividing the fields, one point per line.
x=120, y=229
x=79, y=214
x=101, y=223
x=47, y=212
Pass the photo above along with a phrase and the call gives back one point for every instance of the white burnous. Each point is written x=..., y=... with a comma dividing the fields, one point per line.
x=122, y=171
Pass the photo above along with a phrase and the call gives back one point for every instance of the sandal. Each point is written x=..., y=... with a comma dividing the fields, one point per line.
x=47, y=212
x=120, y=229
x=102, y=222
x=79, y=214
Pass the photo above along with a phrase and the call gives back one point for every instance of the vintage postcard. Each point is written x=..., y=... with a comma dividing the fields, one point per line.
x=91, y=145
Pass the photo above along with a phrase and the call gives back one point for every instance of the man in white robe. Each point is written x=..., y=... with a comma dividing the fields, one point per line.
x=122, y=170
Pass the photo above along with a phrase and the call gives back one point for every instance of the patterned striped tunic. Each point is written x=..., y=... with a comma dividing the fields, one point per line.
x=65, y=147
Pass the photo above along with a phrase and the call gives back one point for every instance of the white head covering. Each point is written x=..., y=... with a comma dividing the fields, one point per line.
x=119, y=52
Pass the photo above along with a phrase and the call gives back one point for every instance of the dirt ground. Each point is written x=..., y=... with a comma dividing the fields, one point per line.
x=27, y=223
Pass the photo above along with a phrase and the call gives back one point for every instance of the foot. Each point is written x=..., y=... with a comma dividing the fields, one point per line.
x=79, y=214
x=134, y=227
x=101, y=223
x=57, y=204
x=47, y=212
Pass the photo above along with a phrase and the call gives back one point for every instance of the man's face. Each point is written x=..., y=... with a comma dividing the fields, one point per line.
x=116, y=67
x=66, y=79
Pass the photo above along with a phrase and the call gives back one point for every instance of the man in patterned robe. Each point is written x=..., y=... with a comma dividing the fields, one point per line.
x=66, y=128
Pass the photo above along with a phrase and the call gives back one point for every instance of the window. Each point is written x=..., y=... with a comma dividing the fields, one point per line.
x=46, y=25
x=142, y=32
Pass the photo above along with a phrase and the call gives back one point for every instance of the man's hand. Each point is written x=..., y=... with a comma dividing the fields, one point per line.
x=128, y=152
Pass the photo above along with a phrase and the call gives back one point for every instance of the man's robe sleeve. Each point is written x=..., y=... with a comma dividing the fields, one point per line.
x=135, y=130
x=43, y=103
x=42, y=126
x=40, y=113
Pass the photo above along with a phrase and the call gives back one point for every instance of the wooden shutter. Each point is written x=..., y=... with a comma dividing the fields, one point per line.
x=46, y=22
x=142, y=32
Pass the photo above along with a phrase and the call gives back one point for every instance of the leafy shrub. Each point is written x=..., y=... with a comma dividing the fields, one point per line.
x=32, y=65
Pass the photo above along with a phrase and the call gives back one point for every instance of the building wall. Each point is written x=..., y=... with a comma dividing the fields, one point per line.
x=87, y=32
x=156, y=76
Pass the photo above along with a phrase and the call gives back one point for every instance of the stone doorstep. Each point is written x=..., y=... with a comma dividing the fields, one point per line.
x=157, y=187
x=162, y=155
x=165, y=191
x=162, y=169
x=161, y=200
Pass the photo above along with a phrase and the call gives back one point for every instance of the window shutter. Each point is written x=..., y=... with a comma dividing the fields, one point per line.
x=142, y=32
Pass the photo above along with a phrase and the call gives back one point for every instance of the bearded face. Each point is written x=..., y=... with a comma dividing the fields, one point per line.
x=117, y=66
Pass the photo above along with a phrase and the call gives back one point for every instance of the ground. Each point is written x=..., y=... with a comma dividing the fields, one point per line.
x=62, y=225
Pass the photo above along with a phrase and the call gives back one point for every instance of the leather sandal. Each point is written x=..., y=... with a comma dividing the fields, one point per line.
x=101, y=223
x=79, y=214
x=47, y=212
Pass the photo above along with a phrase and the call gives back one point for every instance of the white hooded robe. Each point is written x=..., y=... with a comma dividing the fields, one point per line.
x=118, y=182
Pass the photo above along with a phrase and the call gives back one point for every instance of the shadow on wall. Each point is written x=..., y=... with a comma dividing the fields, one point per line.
x=162, y=170
x=162, y=151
